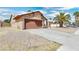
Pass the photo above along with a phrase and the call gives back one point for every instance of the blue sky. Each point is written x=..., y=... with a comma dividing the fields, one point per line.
x=49, y=12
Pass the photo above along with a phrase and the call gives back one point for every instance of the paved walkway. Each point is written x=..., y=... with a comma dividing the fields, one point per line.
x=70, y=41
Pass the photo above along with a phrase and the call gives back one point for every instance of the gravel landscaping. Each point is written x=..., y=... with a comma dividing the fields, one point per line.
x=67, y=30
x=25, y=41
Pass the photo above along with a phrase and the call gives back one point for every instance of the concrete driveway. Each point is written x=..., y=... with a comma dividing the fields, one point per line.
x=69, y=41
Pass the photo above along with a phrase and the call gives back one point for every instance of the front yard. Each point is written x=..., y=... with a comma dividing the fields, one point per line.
x=18, y=40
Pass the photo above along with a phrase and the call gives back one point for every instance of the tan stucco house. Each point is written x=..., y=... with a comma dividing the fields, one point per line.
x=29, y=21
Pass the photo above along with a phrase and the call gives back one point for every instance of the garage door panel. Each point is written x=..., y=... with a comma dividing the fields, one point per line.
x=33, y=24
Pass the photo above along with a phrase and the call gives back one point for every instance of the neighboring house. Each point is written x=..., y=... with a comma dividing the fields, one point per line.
x=29, y=21
x=53, y=24
x=77, y=21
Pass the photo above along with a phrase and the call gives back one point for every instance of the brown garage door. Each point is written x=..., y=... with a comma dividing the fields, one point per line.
x=30, y=24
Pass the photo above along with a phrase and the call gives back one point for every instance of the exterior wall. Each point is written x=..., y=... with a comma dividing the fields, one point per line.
x=20, y=25
x=17, y=25
x=44, y=22
x=13, y=23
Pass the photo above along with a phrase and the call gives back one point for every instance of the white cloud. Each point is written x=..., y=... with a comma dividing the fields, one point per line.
x=6, y=14
x=62, y=8
x=2, y=18
x=4, y=10
x=42, y=11
x=53, y=14
x=65, y=8
x=46, y=7
x=53, y=11
x=20, y=12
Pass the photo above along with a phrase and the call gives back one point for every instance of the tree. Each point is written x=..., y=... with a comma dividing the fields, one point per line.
x=29, y=10
x=61, y=18
x=76, y=14
x=6, y=20
x=10, y=18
